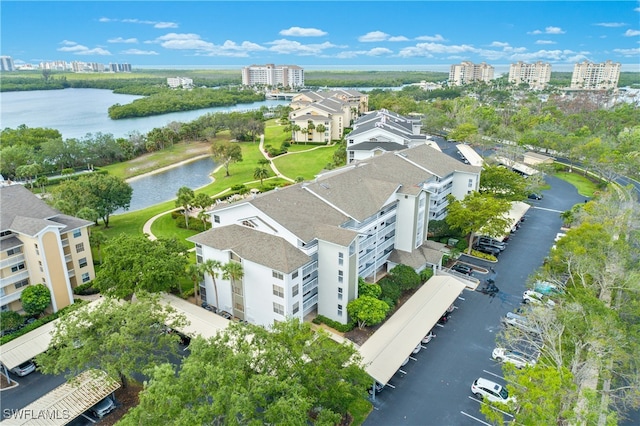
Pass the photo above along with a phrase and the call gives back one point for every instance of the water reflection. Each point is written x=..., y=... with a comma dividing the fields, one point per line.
x=156, y=188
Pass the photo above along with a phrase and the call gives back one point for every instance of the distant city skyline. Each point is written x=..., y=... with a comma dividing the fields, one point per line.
x=366, y=35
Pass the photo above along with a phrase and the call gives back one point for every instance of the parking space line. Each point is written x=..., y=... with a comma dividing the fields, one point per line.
x=461, y=298
x=493, y=374
x=475, y=418
x=546, y=209
x=490, y=406
x=439, y=325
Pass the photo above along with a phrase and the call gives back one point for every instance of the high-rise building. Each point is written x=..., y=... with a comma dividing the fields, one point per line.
x=589, y=75
x=273, y=75
x=468, y=72
x=6, y=63
x=536, y=75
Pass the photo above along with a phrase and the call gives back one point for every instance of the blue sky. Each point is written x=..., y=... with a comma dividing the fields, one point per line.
x=322, y=35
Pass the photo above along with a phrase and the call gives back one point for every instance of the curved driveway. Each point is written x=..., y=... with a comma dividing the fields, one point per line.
x=436, y=388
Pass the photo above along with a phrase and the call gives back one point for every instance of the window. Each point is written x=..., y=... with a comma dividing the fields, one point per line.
x=235, y=257
x=470, y=183
x=294, y=275
x=278, y=308
x=20, y=266
x=85, y=277
x=14, y=250
x=295, y=290
x=278, y=275
x=40, y=265
x=278, y=291
x=239, y=306
x=339, y=293
x=296, y=307
x=339, y=310
x=79, y=247
x=340, y=258
x=216, y=218
x=22, y=283
x=77, y=233
x=83, y=262
x=340, y=277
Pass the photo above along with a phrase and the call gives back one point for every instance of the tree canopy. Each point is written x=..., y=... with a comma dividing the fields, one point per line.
x=250, y=375
x=226, y=153
x=367, y=310
x=35, y=299
x=133, y=264
x=122, y=339
x=503, y=183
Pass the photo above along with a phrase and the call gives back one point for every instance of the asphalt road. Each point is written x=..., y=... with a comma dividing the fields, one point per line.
x=436, y=388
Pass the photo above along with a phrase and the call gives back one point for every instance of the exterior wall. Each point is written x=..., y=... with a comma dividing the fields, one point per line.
x=336, y=281
x=602, y=76
x=57, y=275
x=273, y=75
x=318, y=116
x=468, y=72
x=80, y=274
x=405, y=223
x=463, y=183
x=537, y=75
x=9, y=294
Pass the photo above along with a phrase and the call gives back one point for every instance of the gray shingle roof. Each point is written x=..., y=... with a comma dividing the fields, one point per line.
x=10, y=242
x=436, y=162
x=259, y=247
x=370, y=146
x=21, y=211
x=418, y=257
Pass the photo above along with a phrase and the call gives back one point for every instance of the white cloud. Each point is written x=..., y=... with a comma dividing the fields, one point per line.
x=123, y=40
x=637, y=9
x=628, y=52
x=499, y=44
x=139, y=52
x=545, y=42
x=155, y=24
x=285, y=46
x=379, y=51
x=559, y=55
x=548, y=30
x=610, y=24
x=398, y=38
x=429, y=49
x=376, y=51
x=632, y=33
x=303, y=32
x=436, y=37
x=374, y=36
x=183, y=41
x=79, y=49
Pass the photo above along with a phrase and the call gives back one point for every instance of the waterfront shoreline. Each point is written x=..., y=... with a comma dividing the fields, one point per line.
x=171, y=166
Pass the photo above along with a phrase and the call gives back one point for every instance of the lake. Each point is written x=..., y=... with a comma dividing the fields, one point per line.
x=76, y=112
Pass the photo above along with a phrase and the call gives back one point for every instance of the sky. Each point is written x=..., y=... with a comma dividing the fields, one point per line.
x=421, y=35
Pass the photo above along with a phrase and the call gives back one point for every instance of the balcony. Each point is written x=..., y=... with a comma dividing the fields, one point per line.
x=11, y=297
x=12, y=260
x=71, y=273
x=65, y=242
x=12, y=279
x=309, y=303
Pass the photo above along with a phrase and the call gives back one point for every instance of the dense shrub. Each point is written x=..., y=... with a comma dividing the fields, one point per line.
x=238, y=187
x=484, y=256
x=37, y=323
x=366, y=289
x=462, y=244
x=10, y=320
x=390, y=290
x=85, y=289
x=425, y=274
x=405, y=277
x=194, y=224
x=343, y=328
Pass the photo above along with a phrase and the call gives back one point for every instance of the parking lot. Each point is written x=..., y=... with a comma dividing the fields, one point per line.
x=436, y=387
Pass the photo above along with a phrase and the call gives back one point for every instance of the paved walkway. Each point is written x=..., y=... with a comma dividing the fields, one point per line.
x=273, y=166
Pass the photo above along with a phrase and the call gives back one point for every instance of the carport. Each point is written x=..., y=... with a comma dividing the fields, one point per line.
x=66, y=402
x=384, y=352
x=27, y=346
x=200, y=322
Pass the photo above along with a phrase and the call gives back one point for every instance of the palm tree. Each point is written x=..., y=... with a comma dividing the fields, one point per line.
x=260, y=173
x=195, y=274
x=212, y=267
x=232, y=271
x=97, y=239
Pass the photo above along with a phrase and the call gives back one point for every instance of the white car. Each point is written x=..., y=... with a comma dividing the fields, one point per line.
x=416, y=349
x=519, y=321
x=484, y=388
x=426, y=339
x=513, y=357
x=23, y=369
x=533, y=297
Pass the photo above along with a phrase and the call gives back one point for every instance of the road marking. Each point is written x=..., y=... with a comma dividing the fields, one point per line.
x=461, y=298
x=549, y=210
x=493, y=374
x=490, y=406
x=475, y=418
x=439, y=325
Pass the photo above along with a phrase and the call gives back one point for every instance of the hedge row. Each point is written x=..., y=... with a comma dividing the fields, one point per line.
x=321, y=319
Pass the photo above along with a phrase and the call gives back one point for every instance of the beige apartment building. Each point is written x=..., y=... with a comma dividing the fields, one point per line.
x=536, y=75
x=592, y=76
x=273, y=75
x=467, y=72
x=38, y=244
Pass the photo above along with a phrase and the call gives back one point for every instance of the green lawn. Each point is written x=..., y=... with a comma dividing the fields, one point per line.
x=165, y=226
x=306, y=164
x=585, y=187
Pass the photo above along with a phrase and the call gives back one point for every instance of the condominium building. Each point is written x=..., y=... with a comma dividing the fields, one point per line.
x=589, y=75
x=323, y=116
x=175, y=82
x=38, y=244
x=303, y=247
x=273, y=75
x=6, y=63
x=467, y=72
x=536, y=75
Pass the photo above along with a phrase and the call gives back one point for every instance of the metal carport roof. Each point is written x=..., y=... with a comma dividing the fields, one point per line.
x=384, y=352
x=66, y=402
x=200, y=322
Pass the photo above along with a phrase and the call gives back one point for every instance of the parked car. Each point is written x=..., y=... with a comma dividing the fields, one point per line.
x=416, y=349
x=534, y=196
x=444, y=318
x=492, y=242
x=519, y=321
x=103, y=407
x=426, y=339
x=23, y=369
x=484, y=388
x=533, y=297
x=463, y=269
x=513, y=357
x=378, y=388
x=487, y=249
x=547, y=288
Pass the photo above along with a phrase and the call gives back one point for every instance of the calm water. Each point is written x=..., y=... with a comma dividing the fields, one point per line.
x=76, y=112
x=160, y=187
